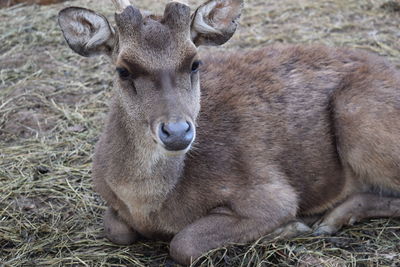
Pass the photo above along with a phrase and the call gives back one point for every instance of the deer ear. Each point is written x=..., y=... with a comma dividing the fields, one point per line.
x=214, y=22
x=86, y=32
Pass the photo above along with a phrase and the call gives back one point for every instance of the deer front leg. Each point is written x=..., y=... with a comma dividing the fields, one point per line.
x=356, y=208
x=213, y=231
x=255, y=214
x=288, y=231
x=116, y=230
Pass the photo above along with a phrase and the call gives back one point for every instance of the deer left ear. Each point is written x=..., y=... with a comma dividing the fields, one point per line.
x=214, y=22
x=86, y=32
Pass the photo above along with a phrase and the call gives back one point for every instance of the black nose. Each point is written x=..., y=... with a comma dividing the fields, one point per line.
x=176, y=135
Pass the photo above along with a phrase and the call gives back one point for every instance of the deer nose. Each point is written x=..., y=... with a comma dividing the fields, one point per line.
x=176, y=135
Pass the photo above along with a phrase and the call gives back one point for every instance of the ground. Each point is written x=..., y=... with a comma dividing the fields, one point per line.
x=52, y=107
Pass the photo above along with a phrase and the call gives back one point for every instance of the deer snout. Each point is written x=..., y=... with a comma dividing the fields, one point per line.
x=176, y=135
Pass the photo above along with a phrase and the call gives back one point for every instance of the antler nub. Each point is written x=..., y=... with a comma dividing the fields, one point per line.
x=120, y=5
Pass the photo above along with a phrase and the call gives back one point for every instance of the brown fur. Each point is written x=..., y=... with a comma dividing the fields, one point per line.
x=284, y=132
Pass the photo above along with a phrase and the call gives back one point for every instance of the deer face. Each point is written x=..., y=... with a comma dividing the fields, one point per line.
x=156, y=61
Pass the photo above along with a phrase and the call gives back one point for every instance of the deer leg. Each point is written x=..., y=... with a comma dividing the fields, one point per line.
x=258, y=213
x=217, y=230
x=212, y=231
x=356, y=208
x=288, y=231
x=116, y=230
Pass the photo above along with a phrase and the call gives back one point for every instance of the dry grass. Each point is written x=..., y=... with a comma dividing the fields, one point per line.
x=52, y=104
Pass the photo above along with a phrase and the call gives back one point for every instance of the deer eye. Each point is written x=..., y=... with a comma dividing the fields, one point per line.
x=195, y=66
x=123, y=73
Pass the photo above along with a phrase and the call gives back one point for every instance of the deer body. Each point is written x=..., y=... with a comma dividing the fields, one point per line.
x=284, y=132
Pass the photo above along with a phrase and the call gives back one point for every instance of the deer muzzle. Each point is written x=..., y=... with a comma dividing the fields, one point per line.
x=176, y=136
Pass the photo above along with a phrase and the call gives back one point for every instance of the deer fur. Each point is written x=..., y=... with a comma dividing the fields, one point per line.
x=284, y=132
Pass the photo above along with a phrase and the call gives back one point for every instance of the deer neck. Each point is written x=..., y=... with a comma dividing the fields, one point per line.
x=149, y=173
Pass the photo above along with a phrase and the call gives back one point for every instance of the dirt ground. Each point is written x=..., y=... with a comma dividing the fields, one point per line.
x=52, y=106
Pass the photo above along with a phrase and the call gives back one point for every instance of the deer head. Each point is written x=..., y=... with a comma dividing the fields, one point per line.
x=156, y=61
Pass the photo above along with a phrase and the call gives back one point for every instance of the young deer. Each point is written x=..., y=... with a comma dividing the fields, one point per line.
x=285, y=132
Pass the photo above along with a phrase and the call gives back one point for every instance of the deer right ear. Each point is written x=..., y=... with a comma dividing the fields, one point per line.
x=86, y=32
x=215, y=21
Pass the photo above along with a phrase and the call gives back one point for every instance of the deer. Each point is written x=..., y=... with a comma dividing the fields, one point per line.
x=210, y=149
